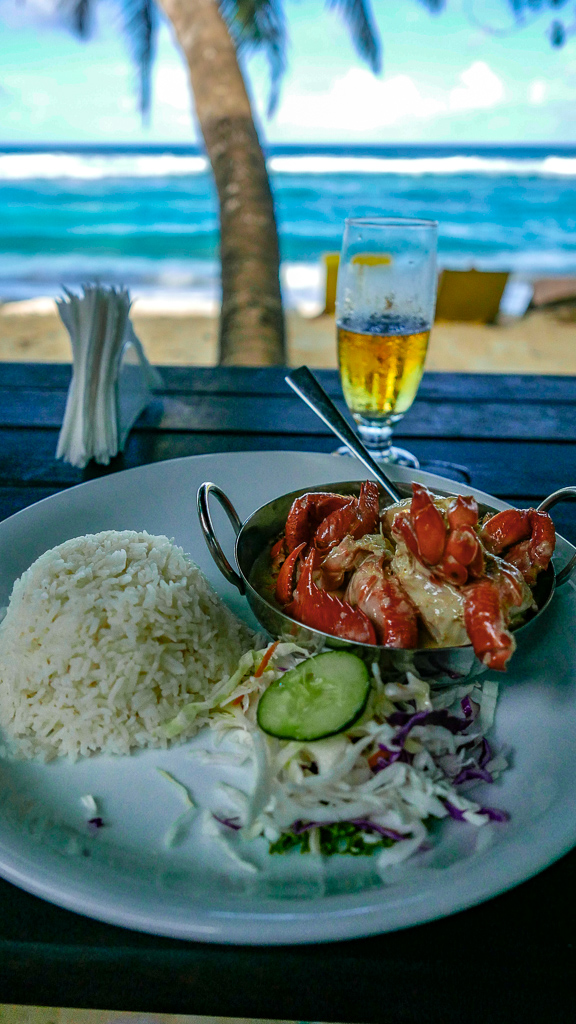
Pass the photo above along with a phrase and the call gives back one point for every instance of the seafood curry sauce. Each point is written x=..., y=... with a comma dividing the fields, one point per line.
x=422, y=572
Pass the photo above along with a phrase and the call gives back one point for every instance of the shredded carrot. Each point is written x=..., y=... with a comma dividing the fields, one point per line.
x=377, y=756
x=266, y=659
x=259, y=670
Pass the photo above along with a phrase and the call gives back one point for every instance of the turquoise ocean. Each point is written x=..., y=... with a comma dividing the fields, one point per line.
x=147, y=218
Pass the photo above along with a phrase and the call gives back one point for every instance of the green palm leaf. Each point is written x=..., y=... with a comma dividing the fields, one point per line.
x=358, y=18
x=260, y=25
x=140, y=28
x=140, y=19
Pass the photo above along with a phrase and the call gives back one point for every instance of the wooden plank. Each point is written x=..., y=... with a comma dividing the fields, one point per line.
x=435, y=386
x=264, y=415
x=425, y=419
x=270, y=380
x=519, y=471
x=14, y=499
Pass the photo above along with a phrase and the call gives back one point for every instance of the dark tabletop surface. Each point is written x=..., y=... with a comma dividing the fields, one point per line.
x=509, y=959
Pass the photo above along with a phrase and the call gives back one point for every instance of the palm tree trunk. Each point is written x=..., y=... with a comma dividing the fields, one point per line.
x=251, y=321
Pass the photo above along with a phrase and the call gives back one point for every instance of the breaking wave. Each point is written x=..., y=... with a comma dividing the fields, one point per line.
x=93, y=167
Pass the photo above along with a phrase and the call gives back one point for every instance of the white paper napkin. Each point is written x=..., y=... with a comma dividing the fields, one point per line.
x=111, y=377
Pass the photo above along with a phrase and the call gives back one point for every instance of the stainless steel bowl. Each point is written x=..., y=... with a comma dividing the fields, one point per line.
x=267, y=523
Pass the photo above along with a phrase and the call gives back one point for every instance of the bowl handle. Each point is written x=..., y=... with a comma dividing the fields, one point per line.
x=204, y=492
x=564, y=494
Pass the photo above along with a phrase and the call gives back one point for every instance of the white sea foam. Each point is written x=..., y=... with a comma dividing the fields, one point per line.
x=92, y=167
x=560, y=165
x=552, y=165
x=89, y=167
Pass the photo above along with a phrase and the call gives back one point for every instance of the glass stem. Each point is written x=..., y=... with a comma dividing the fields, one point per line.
x=376, y=437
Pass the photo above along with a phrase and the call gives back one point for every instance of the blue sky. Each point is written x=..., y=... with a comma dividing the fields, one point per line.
x=444, y=80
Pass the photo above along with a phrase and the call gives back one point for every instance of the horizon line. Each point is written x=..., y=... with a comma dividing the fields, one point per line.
x=398, y=149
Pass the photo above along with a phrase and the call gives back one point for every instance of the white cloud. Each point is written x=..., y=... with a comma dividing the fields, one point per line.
x=537, y=91
x=359, y=102
x=479, y=87
x=172, y=87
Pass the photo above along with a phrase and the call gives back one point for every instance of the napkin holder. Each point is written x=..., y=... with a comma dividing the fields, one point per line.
x=111, y=376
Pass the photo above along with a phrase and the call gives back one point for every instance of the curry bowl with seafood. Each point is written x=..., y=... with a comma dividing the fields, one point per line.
x=450, y=580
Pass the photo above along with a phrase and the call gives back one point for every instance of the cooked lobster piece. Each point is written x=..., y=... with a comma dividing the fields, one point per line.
x=425, y=571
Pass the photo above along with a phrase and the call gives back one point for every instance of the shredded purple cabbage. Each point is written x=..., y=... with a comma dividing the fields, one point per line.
x=492, y=813
x=486, y=754
x=407, y=720
x=495, y=814
x=233, y=823
x=479, y=770
x=298, y=827
x=450, y=765
x=454, y=812
x=372, y=826
x=389, y=757
x=364, y=824
x=470, y=708
x=472, y=772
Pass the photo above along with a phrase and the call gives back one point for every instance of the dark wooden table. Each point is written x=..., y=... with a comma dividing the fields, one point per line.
x=511, y=959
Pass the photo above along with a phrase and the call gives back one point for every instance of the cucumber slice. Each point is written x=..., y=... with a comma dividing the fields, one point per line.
x=320, y=697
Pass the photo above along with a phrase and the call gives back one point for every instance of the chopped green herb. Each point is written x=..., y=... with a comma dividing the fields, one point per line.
x=288, y=841
x=340, y=837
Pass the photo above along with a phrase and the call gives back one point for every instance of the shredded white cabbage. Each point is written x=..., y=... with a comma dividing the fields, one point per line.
x=304, y=785
x=214, y=831
x=185, y=795
x=180, y=827
x=488, y=699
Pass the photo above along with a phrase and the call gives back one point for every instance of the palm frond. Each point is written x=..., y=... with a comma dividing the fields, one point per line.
x=79, y=15
x=140, y=27
x=260, y=25
x=358, y=17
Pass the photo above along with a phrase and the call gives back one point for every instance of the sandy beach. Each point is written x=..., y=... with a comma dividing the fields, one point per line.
x=539, y=342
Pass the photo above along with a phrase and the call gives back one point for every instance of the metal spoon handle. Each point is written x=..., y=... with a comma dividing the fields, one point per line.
x=303, y=382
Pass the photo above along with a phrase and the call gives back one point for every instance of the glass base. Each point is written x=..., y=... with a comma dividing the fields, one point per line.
x=392, y=455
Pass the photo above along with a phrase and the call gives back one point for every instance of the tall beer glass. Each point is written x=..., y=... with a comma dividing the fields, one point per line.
x=384, y=311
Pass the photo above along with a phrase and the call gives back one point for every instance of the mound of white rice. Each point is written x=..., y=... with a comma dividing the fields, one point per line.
x=105, y=639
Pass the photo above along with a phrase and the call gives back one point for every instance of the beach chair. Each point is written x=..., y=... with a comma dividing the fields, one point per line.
x=471, y=295
x=331, y=261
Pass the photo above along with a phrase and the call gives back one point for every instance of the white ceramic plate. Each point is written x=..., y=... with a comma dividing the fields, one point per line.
x=125, y=875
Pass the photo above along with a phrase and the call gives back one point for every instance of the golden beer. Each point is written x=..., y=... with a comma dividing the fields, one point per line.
x=381, y=365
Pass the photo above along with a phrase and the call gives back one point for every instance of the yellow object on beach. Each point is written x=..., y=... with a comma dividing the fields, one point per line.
x=331, y=261
x=470, y=295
